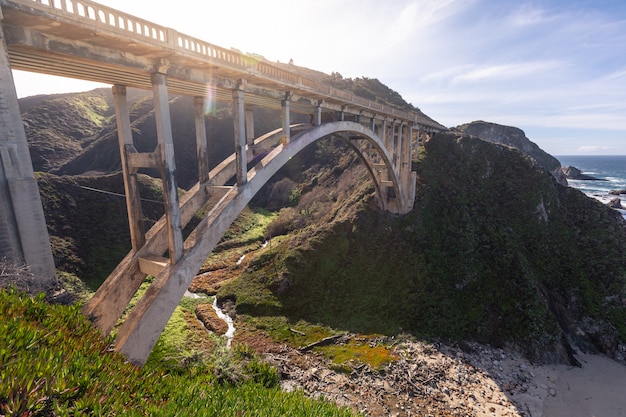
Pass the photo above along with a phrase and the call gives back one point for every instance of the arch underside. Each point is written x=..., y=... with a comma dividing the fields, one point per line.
x=140, y=331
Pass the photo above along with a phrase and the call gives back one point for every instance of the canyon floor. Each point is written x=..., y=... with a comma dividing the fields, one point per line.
x=436, y=380
x=430, y=379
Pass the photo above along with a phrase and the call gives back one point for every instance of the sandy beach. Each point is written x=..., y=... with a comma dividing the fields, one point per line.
x=598, y=389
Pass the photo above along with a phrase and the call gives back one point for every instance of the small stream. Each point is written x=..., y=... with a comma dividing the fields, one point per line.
x=230, y=333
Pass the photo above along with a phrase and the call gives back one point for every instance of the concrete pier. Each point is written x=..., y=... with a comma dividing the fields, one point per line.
x=23, y=231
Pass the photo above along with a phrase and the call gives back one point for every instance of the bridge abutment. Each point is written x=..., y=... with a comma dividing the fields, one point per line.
x=23, y=232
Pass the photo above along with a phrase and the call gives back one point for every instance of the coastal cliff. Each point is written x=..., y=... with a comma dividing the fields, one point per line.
x=514, y=138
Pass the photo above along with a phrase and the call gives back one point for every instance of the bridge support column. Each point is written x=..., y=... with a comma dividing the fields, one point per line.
x=131, y=186
x=286, y=118
x=385, y=139
x=407, y=177
x=317, y=117
x=168, y=169
x=394, y=143
x=201, y=140
x=250, y=131
x=23, y=232
x=240, y=136
x=399, y=148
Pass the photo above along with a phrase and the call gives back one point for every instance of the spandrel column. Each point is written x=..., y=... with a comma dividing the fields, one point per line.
x=170, y=188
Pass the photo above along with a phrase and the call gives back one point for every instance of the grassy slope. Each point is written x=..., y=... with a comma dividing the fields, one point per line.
x=54, y=364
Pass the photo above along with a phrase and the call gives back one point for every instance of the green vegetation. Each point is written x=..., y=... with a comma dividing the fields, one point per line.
x=60, y=127
x=83, y=212
x=494, y=251
x=53, y=363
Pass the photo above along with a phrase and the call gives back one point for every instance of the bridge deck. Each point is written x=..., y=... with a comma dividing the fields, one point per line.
x=85, y=40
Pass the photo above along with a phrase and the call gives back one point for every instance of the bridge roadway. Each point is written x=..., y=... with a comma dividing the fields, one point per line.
x=85, y=40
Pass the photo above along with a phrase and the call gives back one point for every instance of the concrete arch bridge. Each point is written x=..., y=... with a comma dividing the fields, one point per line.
x=85, y=40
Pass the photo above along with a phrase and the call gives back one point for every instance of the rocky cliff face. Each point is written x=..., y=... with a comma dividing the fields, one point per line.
x=514, y=138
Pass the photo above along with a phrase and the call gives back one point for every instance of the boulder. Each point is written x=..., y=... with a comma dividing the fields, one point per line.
x=615, y=203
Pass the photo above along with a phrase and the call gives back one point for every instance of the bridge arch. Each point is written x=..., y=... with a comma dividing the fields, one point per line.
x=370, y=149
x=142, y=328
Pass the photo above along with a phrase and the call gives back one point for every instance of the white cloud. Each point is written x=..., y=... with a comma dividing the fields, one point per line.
x=594, y=149
x=530, y=15
x=506, y=71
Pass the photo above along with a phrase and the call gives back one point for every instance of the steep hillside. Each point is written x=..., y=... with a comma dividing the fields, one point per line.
x=59, y=127
x=494, y=251
x=87, y=221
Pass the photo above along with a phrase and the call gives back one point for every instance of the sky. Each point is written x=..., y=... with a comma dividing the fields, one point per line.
x=553, y=68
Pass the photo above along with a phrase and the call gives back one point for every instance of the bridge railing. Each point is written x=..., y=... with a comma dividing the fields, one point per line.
x=106, y=18
x=95, y=13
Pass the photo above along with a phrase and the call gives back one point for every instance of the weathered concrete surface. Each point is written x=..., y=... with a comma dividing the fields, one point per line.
x=23, y=232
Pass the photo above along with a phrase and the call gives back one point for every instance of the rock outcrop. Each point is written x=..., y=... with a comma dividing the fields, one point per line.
x=615, y=203
x=514, y=138
x=574, y=173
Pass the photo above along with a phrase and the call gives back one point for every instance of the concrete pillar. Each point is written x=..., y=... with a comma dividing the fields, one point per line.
x=131, y=185
x=201, y=140
x=383, y=133
x=250, y=136
x=317, y=117
x=410, y=177
x=400, y=146
x=286, y=118
x=393, y=140
x=168, y=174
x=405, y=156
x=24, y=236
x=240, y=137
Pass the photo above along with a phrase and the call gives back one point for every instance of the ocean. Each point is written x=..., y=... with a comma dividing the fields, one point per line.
x=611, y=168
